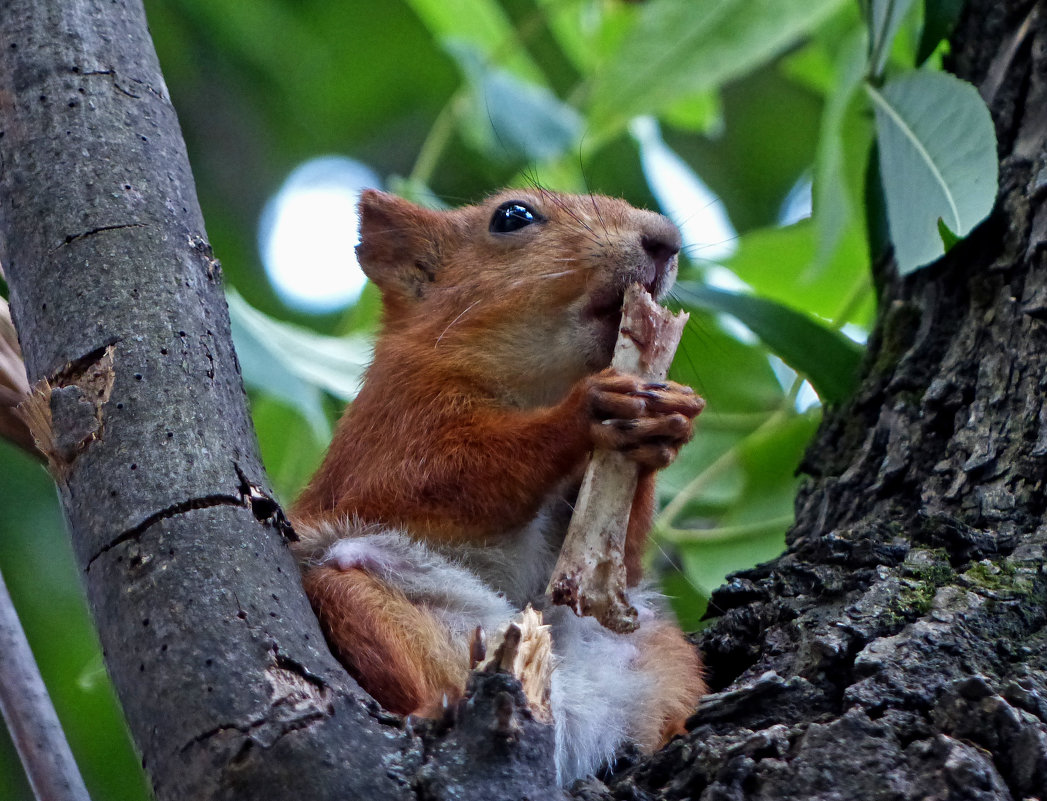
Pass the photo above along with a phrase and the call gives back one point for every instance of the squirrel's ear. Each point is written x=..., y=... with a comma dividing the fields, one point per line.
x=398, y=247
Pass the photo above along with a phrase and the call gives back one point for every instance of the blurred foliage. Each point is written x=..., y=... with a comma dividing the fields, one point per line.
x=37, y=562
x=450, y=99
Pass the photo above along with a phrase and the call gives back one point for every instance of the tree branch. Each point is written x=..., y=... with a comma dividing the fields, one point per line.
x=222, y=671
x=590, y=576
x=897, y=649
x=31, y=717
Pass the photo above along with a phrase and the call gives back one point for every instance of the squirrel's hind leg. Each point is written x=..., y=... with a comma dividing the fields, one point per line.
x=675, y=670
x=399, y=652
x=401, y=618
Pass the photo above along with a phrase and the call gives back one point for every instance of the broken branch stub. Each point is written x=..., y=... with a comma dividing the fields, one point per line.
x=524, y=649
x=590, y=574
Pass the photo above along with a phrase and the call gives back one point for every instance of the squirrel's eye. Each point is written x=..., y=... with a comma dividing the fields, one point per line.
x=512, y=216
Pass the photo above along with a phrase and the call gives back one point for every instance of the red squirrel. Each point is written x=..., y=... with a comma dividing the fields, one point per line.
x=447, y=490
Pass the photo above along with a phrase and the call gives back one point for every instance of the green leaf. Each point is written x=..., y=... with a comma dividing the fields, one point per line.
x=814, y=64
x=720, y=487
x=811, y=66
x=685, y=599
x=741, y=392
x=876, y=226
x=770, y=460
x=949, y=239
x=415, y=191
x=706, y=565
x=294, y=363
x=783, y=265
x=678, y=49
x=937, y=155
x=885, y=16
x=827, y=358
x=290, y=448
x=700, y=113
x=939, y=19
x=481, y=23
x=587, y=32
x=710, y=360
x=753, y=528
x=773, y=260
x=512, y=119
x=843, y=146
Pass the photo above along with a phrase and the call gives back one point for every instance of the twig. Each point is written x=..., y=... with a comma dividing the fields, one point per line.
x=590, y=574
x=30, y=715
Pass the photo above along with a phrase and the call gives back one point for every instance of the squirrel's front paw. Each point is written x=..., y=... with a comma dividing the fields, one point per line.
x=648, y=422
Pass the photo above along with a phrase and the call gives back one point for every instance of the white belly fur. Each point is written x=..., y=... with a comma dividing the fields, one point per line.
x=598, y=693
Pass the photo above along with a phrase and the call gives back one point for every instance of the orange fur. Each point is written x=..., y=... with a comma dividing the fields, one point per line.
x=441, y=462
x=487, y=393
x=640, y=517
x=398, y=651
x=677, y=668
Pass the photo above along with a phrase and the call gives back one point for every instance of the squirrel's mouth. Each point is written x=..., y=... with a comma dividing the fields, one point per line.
x=605, y=303
x=603, y=309
x=604, y=314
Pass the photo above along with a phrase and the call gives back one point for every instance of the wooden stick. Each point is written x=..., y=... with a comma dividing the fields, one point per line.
x=590, y=574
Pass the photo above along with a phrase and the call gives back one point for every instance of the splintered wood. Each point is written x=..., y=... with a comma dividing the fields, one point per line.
x=590, y=572
x=525, y=650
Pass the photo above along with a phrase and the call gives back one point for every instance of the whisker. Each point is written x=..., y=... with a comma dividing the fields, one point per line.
x=596, y=208
x=573, y=215
x=676, y=565
x=530, y=278
x=455, y=320
x=556, y=275
x=692, y=250
x=551, y=197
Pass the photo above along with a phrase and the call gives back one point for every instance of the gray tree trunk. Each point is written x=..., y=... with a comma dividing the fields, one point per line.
x=896, y=651
x=221, y=668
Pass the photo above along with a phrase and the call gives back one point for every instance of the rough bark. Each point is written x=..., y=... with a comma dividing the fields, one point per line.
x=898, y=649
x=227, y=685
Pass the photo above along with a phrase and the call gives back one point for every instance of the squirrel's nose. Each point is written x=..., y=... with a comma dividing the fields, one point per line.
x=660, y=240
x=659, y=250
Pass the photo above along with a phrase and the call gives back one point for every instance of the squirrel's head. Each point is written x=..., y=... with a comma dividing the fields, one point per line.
x=527, y=285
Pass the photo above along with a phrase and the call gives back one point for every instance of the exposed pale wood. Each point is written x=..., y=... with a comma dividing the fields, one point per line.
x=590, y=573
x=525, y=650
x=14, y=387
